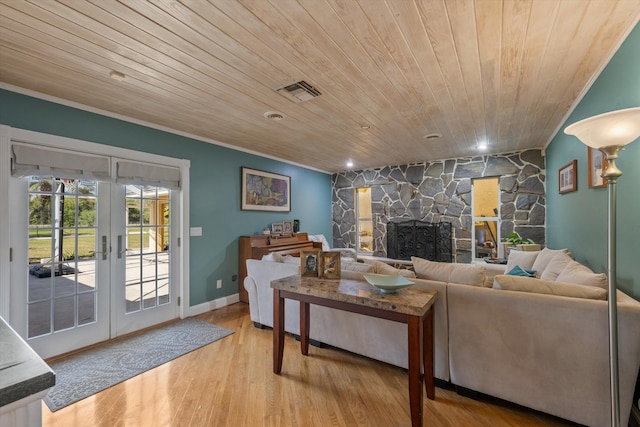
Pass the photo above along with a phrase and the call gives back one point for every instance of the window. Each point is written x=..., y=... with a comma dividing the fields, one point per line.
x=486, y=219
x=364, y=220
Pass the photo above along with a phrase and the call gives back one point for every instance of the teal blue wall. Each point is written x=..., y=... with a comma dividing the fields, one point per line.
x=215, y=184
x=578, y=220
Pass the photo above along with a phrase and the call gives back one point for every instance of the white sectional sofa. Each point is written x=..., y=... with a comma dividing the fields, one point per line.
x=537, y=342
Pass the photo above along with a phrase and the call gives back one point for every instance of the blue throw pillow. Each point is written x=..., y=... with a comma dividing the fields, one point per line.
x=519, y=271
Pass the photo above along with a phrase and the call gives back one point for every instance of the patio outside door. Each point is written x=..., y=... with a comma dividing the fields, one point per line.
x=98, y=261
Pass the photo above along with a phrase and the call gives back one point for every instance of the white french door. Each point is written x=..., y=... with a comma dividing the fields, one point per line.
x=91, y=260
x=144, y=259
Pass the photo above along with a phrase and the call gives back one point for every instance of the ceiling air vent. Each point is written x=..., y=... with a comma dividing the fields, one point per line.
x=299, y=91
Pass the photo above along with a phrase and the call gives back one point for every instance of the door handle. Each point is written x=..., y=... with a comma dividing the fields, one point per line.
x=104, y=250
x=120, y=251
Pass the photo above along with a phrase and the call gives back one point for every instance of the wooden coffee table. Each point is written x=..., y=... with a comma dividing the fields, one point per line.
x=412, y=305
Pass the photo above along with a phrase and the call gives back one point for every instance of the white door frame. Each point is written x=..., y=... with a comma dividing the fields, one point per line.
x=9, y=135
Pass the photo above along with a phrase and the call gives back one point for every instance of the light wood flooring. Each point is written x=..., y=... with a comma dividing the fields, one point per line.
x=230, y=383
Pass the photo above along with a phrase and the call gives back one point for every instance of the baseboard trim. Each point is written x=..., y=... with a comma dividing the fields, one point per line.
x=194, y=310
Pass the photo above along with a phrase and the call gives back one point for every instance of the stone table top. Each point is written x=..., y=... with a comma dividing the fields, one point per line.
x=413, y=300
x=22, y=371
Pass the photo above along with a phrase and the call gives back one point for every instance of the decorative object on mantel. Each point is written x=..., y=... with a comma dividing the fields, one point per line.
x=609, y=133
x=287, y=227
x=265, y=191
x=568, y=178
x=514, y=240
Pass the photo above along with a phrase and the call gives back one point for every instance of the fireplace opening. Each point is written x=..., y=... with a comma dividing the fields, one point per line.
x=431, y=241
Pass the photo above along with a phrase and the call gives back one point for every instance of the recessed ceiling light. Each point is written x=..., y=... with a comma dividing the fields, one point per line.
x=116, y=75
x=349, y=164
x=482, y=146
x=365, y=127
x=274, y=115
x=432, y=136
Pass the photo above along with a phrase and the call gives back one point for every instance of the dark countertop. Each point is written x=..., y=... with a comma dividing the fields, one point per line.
x=22, y=371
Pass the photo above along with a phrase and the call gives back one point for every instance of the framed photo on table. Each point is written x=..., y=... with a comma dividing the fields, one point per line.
x=287, y=227
x=310, y=263
x=568, y=178
x=330, y=265
x=597, y=165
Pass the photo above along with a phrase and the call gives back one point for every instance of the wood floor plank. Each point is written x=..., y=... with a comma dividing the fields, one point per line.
x=231, y=383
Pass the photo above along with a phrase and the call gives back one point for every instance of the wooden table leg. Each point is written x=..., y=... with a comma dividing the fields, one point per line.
x=278, y=331
x=415, y=380
x=304, y=327
x=427, y=353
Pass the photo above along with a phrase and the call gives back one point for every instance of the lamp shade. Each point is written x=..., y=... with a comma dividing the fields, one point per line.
x=615, y=128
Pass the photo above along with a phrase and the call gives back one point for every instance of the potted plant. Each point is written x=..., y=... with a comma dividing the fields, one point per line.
x=514, y=239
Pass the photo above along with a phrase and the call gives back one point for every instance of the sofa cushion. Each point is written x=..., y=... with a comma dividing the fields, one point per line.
x=539, y=286
x=519, y=271
x=439, y=271
x=577, y=273
x=464, y=274
x=544, y=258
x=356, y=266
x=558, y=263
x=524, y=259
x=467, y=274
x=380, y=267
x=272, y=257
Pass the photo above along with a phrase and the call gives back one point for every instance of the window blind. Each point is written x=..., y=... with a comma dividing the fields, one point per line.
x=34, y=160
x=129, y=172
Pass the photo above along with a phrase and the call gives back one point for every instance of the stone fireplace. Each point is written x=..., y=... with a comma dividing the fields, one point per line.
x=440, y=192
x=421, y=239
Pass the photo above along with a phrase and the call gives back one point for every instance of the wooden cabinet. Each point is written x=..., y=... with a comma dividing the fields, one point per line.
x=255, y=247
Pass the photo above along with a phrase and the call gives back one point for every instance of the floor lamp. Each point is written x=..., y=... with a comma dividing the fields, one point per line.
x=609, y=133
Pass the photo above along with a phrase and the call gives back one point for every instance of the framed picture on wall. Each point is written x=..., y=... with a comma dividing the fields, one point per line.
x=597, y=165
x=265, y=191
x=568, y=178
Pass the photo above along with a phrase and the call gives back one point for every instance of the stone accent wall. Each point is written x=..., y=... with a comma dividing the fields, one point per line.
x=440, y=191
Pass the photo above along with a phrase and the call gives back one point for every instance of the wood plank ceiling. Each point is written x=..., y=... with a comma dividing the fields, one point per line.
x=389, y=71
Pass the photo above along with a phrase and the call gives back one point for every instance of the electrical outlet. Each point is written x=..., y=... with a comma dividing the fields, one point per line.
x=219, y=283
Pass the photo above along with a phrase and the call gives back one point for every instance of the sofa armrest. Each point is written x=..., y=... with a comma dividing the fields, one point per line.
x=545, y=352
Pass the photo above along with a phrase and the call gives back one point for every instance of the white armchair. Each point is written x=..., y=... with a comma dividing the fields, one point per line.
x=346, y=254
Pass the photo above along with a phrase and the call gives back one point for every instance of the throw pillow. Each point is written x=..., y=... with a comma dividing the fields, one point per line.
x=272, y=257
x=467, y=274
x=544, y=258
x=291, y=259
x=538, y=286
x=524, y=259
x=559, y=261
x=357, y=266
x=380, y=267
x=577, y=273
x=425, y=269
x=519, y=271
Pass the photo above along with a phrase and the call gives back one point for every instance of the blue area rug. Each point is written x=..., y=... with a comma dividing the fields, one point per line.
x=94, y=370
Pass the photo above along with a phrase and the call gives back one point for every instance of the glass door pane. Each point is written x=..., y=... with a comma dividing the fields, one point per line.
x=63, y=255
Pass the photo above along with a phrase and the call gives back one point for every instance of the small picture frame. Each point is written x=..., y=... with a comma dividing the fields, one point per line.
x=310, y=263
x=287, y=227
x=568, y=178
x=276, y=228
x=330, y=265
x=597, y=165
